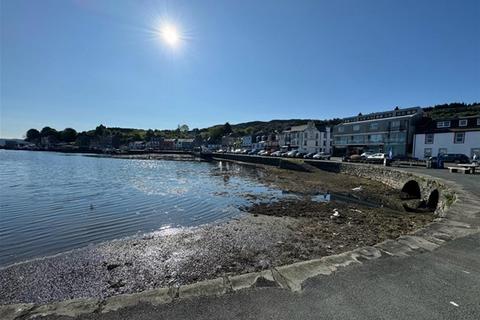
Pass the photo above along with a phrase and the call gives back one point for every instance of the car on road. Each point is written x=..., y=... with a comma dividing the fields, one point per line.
x=377, y=156
x=455, y=158
x=321, y=156
x=366, y=154
x=292, y=154
x=254, y=151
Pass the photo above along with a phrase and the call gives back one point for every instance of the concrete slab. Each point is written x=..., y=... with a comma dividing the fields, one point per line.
x=295, y=274
x=251, y=280
x=15, y=311
x=69, y=308
x=153, y=297
x=204, y=288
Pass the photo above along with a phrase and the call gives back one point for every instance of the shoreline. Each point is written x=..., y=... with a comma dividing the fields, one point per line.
x=271, y=235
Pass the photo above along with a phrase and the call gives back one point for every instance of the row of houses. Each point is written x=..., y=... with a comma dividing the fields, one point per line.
x=159, y=143
x=401, y=132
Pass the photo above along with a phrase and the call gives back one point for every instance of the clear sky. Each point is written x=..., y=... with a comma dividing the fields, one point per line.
x=78, y=63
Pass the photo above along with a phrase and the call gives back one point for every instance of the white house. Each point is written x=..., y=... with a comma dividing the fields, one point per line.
x=455, y=135
x=247, y=141
x=307, y=138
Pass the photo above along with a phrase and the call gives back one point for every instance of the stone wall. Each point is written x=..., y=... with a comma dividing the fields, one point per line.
x=395, y=178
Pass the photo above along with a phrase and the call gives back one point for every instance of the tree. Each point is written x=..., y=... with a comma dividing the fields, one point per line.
x=227, y=129
x=48, y=132
x=83, y=139
x=100, y=130
x=68, y=135
x=183, y=128
x=33, y=135
x=149, y=134
x=215, y=133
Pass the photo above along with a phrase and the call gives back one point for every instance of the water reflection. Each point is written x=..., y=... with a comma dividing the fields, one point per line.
x=51, y=202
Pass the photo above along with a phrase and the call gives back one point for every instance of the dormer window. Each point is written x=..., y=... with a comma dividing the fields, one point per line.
x=443, y=124
x=462, y=123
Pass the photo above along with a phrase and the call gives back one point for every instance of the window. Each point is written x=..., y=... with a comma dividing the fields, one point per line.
x=316, y=143
x=356, y=127
x=462, y=123
x=427, y=152
x=395, y=124
x=429, y=138
x=341, y=129
x=374, y=126
x=375, y=138
x=459, y=137
x=443, y=124
x=357, y=139
x=306, y=135
x=442, y=151
x=397, y=137
x=316, y=135
x=305, y=143
x=478, y=121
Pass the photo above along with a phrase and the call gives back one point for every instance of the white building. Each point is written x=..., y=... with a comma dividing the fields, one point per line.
x=247, y=141
x=307, y=138
x=458, y=135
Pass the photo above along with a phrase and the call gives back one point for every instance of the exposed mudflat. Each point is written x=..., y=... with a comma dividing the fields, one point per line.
x=270, y=234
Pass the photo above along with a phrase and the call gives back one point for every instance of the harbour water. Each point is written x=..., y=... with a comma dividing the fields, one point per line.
x=53, y=202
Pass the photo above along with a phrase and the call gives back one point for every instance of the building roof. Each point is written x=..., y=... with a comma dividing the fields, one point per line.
x=429, y=125
x=375, y=116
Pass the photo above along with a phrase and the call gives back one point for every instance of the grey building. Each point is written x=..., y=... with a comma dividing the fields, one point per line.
x=377, y=132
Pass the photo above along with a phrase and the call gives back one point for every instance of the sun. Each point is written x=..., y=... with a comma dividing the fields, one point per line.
x=170, y=34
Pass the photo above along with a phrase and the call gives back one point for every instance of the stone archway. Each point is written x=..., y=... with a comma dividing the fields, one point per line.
x=411, y=190
x=432, y=201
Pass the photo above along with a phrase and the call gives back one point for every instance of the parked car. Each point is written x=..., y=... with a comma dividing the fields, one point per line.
x=366, y=154
x=321, y=156
x=377, y=156
x=292, y=153
x=456, y=158
x=300, y=154
x=221, y=151
x=264, y=153
x=254, y=151
x=309, y=155
x=276, y=154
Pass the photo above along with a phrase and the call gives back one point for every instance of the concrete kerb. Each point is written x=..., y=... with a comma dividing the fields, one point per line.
x=291, y=277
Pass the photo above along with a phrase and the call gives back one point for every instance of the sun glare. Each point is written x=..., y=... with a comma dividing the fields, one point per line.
x=170, y=35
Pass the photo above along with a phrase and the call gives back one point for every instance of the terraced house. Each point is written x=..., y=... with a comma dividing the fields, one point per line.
x=377, y=132
x=448, y=135
x=307, y=138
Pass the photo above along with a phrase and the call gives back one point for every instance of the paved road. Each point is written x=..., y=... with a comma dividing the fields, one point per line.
x=443, y=284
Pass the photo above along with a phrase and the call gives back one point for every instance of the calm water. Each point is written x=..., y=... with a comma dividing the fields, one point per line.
x=51, y=202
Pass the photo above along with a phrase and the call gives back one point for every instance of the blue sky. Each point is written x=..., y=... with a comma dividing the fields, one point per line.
x=78, y=63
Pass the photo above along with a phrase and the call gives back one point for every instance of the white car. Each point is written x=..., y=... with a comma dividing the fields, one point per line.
x=377, y=156
x=321, y=155
x=292, y=153
x=276, y=154
x=366, y=154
